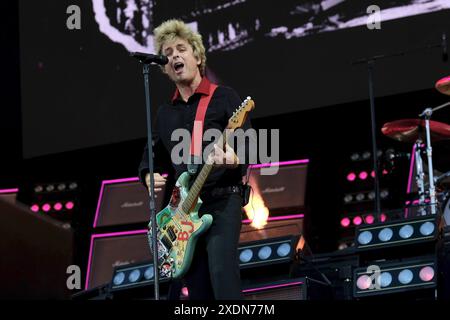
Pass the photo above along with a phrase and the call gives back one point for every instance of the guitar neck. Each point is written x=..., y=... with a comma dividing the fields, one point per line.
x=201, y=178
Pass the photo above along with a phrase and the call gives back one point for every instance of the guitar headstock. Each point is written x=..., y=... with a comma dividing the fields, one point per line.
x=239, y=116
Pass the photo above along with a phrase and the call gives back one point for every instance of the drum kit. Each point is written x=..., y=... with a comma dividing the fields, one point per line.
x=433, y=189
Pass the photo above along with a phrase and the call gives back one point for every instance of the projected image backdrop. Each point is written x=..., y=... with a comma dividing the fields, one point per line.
x=130, y=22
x=80, y=88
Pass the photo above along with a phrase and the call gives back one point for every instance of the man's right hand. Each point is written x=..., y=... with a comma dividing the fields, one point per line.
x=160, y=181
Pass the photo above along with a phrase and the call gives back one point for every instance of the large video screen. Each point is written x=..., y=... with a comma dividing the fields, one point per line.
x=81, y=88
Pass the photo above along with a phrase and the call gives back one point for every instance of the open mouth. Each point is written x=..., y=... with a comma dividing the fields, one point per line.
x=178, y=66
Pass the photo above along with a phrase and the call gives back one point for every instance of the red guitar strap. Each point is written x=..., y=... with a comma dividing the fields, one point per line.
x=197, y=131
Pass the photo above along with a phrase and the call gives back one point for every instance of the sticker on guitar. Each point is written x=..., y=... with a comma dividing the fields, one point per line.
x=175, y=198
x=184, y=235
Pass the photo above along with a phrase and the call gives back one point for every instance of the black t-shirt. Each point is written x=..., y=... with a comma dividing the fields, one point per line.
x=179, y=114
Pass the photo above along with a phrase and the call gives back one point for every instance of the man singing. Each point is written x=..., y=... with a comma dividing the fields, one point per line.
x=214, y=272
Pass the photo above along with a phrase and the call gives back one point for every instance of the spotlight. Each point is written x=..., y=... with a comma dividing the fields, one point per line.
x=185, y=292
x=364, y=282
x=61, y=187
x=384, y=194
x=371, y=195
x=348, y=198
x=369, y=219
x=355, y=156
x=395, y=276
x=427, y=228
x=405, y=276
x=264, y=253
x=134, y=275
x=46, y=207
x=357, y=220
x=69, y=205
x=57, y=206
x=363, y=175
x=351, y=176
x=119, y=278
x=385, y=234
x=426, y=274
x=360, y=197
x=345, y=222
x=34, y=208
x=267, y=251
x=406, y=231
x=149, y=273
x=50, y=188
x=38, y=188
x=73, y=186
x=246, y=255
x=283, y=249
x=365, y=237
x=395, y=233
x=385, y=279
x=366, y=155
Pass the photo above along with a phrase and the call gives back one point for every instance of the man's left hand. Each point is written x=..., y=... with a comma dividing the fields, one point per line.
x=227, y=159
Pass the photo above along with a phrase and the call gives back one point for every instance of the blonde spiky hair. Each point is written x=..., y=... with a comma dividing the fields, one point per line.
x=171, y=29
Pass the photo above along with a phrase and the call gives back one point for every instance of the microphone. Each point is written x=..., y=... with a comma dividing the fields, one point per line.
x=444, y=47
x=150, y=58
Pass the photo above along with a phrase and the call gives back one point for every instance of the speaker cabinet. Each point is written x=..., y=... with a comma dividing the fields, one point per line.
x=110, y=250
x=124, y=202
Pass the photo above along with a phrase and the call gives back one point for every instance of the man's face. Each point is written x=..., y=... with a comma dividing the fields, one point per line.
x=183, y=65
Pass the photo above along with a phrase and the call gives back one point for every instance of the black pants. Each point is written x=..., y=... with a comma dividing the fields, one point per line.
x=214, y=272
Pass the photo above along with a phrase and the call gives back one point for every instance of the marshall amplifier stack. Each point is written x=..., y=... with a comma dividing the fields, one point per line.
x=120, y=229
x=268, y=251
x=120, y=225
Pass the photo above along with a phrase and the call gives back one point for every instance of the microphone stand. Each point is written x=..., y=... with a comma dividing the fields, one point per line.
x=308, y=262
x=152, y=202
x=370, y=61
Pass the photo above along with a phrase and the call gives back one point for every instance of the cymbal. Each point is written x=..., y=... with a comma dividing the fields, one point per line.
x=443, y=85
x=409, y=130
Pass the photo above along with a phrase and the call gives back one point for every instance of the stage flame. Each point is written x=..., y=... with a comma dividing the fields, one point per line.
x=256, y=210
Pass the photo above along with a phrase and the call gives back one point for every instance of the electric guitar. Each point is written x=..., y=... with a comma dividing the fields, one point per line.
x=178, y=224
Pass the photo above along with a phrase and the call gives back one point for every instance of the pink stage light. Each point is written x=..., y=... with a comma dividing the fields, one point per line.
x=426, y=274
x=46, y=207
x=357, y=220
x=351, y=176
x=383, y=217
x=372, y=174
x=369, y=219
x=345, y=222
x=385, y=172
x=363, y=175
x=35, y=208
x=70, y=205
x=58, y=206
x=185, y=292
x=364, y=282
